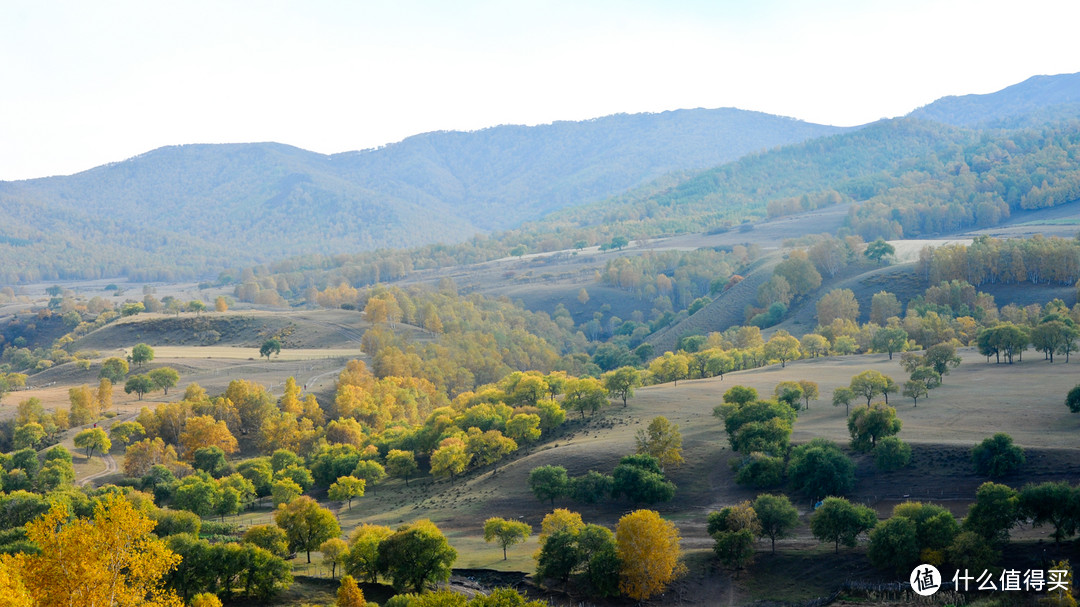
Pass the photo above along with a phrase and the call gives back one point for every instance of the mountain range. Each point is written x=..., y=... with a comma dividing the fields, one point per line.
x=194, y=210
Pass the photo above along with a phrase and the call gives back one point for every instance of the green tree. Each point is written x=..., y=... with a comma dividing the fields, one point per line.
x=141, y=354
x=890, y=339
x=549, y=482
x=362, y=559
x=783, y=347
x=869, y=384
x=973, y=551
x=1072, y=399
x=93, y=439
x=346, y=488
x=915, y=390
x=139, y=384
x=401, y=463
x=164, y=378
x=843, y=396
x=558, y=556
x=734, y=529
x=661, y=440
x=284, y=491
x=997, y=456
x=879, y=250
x=450, y=459
x=415, y=555
x=869, y=425
x=523, y=428
x=507, y=533
x=114, y=369
x=994, y=512
x=941, y=357
x=1053, y=504
x=819, y=468
x=306, y=524
x=489, y=447
x=591, y=487
x=776, y=515
x=270, y=347
x=894, y=544
x=641, y=480
x=125, y=432
x=621, y=382
x=841, y=522
x=28, y=435
x=760, y=471
x=268, y=537
x=586, y=394
x=369, y=471
x=892, y=453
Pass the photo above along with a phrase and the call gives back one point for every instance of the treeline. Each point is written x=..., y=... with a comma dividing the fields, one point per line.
x=1015, y=260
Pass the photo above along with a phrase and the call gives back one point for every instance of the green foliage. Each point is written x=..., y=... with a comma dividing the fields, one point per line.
x=141, y=354
x=994, y=512
x=416, y=555
x=549, y=482
x=164, y=378
x=139, y=384
x=891, y=454
x=506, y=532
x=760, y=471
x=591, y=487
x=776, y=515
x=640, y=479
x=997, y=456
x=756, y=425
x=306, y=524
x=114, y=369
x=1072, y=399
x=818, y=469
x=1051, y=504
x=894, y=545
x=841, y=522
x=270, y=348
x=972, y=550
x=868, y=425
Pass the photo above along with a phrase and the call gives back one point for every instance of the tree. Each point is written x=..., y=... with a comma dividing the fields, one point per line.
x=210, y=460
x=164, y=378
x=306, y=524
x=415, y=555
x=333, y=551
x=670, y=367
x=110, y=559
x=819, y=468
x=869, y=384
x=892, y=453
x=586, y=394
x=362, y=559
x=870, y=424
x=837, y=304
x=940, y=357
x=894, y=544
x=621, y=382
x=141, y=354
x=776, y=515
x=549, y=482
x=349, y=594
x=114, y=369
x=196, y=306
x=1072, y=399
x=558, y=556
x=883, y=306
x=841, y=522
x=1051, y=503
x=890, y=339
x=591, y=487
x=641, y=480
x=760, y=471
x=523, y=428
x=843, y=396
x=221, y=304
x=369, y=471
x=28, y=435
x=648, y=548
x=810, y=391
x=139, y=384
x=995, y=511
x=93, y=439
x=125, y=432
x=346, y=488
x=401, y=463
x=205, y=431
x=783, y=347
x=450, y=459
x=661, y=440
x=270, y=347
x=915, y=390
x=740, y=395
x=507, y=533
x=879, y=250
x=205, y=599
x=268, y=537
x=489, y=447
x=997, y=456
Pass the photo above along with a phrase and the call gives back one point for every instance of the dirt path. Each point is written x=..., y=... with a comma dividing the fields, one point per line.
x=110, y=468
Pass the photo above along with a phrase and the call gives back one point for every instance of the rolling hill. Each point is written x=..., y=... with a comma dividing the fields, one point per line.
x=193, y=210
x=1026, y=103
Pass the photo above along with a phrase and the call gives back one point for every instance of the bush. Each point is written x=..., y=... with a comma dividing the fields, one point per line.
x=997, y=456
x=892, y=454
x=760, y=471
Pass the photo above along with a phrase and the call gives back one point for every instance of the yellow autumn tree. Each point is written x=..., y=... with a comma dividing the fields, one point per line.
x=221, y=304
x=104, y=394
x=205, y=431
x=648, y=547
x=13, y=592
x=290, y=401
x=111, y=560
x=349, y=594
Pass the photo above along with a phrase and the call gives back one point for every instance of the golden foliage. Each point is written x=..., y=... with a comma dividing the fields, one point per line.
x=648, y=547
x=205, y=431
x=111, y=560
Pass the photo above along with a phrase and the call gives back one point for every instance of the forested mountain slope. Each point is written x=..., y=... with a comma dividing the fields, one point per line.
x=193, y=210
x=1025, y=103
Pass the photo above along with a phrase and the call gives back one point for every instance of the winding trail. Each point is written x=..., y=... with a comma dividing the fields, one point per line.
x=110, y=468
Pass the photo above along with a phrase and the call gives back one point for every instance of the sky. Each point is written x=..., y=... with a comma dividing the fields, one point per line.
x=87, y=83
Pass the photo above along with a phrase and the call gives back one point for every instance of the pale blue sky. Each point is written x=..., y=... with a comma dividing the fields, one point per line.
x=86, y=83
